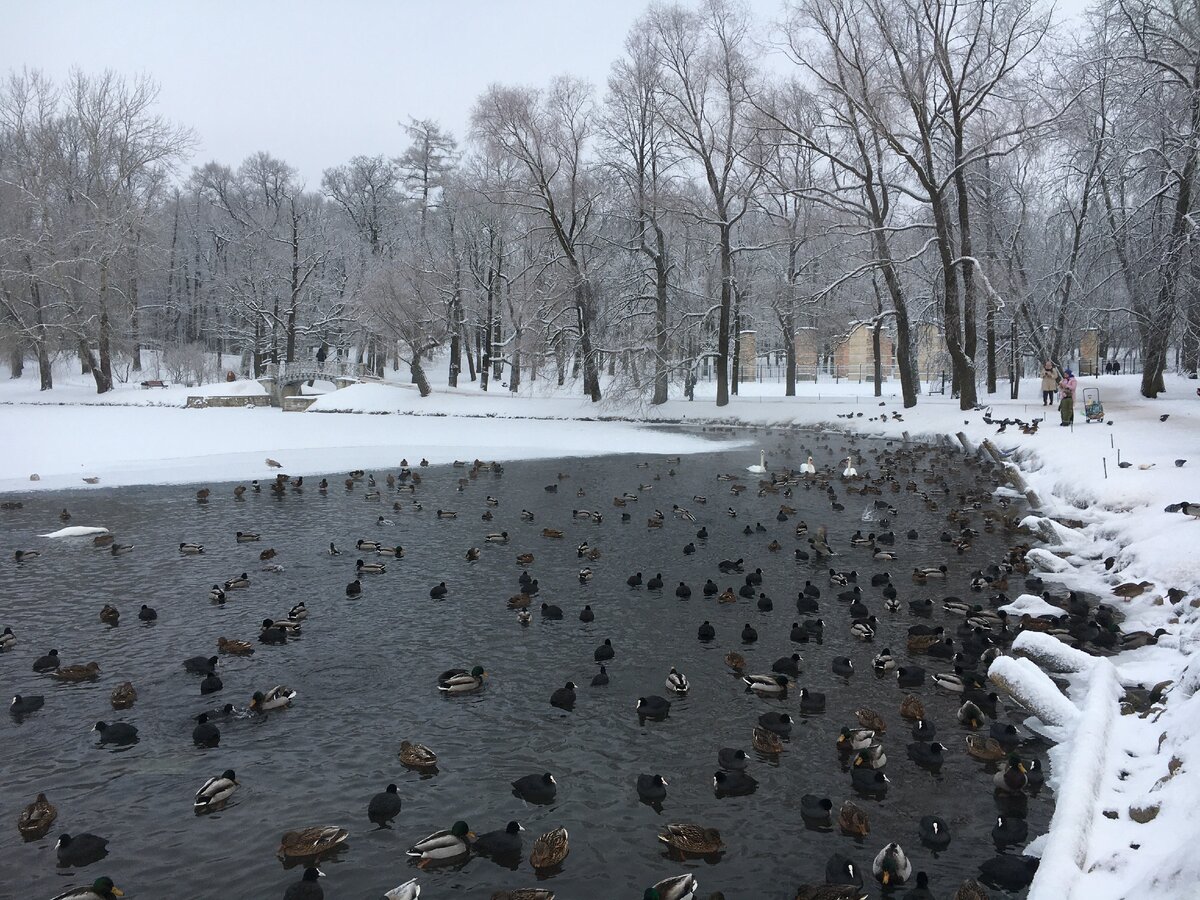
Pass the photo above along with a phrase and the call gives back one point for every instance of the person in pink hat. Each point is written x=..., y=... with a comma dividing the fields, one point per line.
x=1066, y=398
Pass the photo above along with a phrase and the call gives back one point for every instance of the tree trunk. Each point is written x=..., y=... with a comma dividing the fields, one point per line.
x=134, y=312
x=962, y=363
x=1014, y=362
x=468, y=354
x=661, y=283
x=726, y=310
x=103, y=374
x=1189, y=360
x=419, y=378
x=583, y=304
x=89, y=360
x=877, y=353
x=514, y=380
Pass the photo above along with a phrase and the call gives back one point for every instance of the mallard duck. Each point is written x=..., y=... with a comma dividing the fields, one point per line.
x=36, y=818
x=735, y=661
x=88, y=672
x=109, y=614
x=766, y=685
x=855, y=739
x=677, y=681
x=1013, y=779
x=830, y=892
x=365, y=568
x=191, y=549
x=519, y=601
x=123, y=695
x=970, y=715
x=501, y=538
x=460, y=681
x=214, y=792
x=971, y=890
x=883, y=661
x=550, y=849
x=246, y=537
x=1132, y=589
x=237, y=581
x=692, y=839
x=677, y=887
x=277, y=697
x=410, y=890
x=870, y=719
x=551, y=533
x=396, y=552
x=417, y=756
x=853, y=820
x=309, y=843
x=217, y=594
x=234, y=647
x=911, y=707
x=26, y=555
x=984, y=748
x=871, y=756
x=100, y=889
x=765, y=741
x=949, y=681
x=891, y=866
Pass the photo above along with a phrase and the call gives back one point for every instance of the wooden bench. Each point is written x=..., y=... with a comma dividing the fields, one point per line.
x=146, y=385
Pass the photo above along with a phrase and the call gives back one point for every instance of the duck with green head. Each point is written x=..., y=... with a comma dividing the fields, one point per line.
x=677, y=887
x=443, y=845
x=101, y=889
x=460, y=681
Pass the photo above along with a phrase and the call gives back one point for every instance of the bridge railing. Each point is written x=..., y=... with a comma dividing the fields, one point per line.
x=329, y=370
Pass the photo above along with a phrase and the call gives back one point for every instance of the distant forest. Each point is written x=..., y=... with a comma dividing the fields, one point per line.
x=968, y=170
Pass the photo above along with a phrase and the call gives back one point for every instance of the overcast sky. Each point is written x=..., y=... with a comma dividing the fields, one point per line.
x=318, y=82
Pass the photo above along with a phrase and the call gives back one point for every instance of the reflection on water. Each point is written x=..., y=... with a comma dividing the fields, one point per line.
x=366, y=675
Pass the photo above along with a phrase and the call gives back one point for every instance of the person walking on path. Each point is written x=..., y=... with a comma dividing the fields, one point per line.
x=1066, y=393
x=1050, y=380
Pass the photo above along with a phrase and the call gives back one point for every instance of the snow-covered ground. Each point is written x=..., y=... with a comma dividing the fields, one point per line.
x=1107, y=764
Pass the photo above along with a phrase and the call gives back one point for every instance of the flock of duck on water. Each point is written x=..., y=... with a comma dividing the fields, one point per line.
x=959, y=653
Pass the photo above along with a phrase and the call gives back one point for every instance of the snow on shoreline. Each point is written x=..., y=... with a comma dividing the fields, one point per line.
x=1127, y=786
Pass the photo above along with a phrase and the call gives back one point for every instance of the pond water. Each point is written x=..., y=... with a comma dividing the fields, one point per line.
x=366, y=674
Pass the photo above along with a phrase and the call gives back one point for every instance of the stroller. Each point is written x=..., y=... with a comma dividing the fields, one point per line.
x=1093, y=409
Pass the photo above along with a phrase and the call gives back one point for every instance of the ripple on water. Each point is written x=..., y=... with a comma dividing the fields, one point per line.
x=365, y=671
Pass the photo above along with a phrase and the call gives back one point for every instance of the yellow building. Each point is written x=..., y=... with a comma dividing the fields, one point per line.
x=854, y=353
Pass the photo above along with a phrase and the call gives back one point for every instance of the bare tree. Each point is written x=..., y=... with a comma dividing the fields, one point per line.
x=707, y=66
x=547, y=133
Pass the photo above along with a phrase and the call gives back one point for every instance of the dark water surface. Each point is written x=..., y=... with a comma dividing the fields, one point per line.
x=366, y=673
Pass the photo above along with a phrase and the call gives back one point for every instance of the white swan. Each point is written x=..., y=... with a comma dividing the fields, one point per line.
x=807, y=468
x=849, y=471
x=761, y=468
